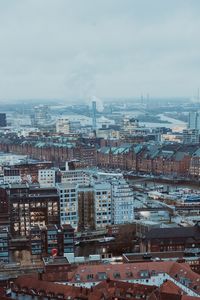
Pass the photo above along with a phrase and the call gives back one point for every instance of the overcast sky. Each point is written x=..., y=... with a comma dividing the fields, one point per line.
x=104, y=48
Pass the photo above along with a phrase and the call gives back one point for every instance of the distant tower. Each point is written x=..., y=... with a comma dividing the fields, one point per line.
x=142, y=99
x=3, y=122
x=41, y=115
x=94, y=121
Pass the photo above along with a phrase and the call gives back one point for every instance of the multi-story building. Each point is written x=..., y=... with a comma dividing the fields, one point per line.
x=41, y=115
x=4, y=244
x=129, y=124
x=123, y=157
x=172, y=239
x=75, y=177
x=11, y=175
x=47, y=177
x=194, y=120
x=51, y=239
x=29, y=206
x=191, y=136
x=122, y=202
x=26, y=169
x=194, y=169
x=44, y=240
x=86, y=207
x=67, y=238
x=3, y=122
x=108, y=134
x=68, y=204
x=103, y=204
x=4, y=208
x=36, y=244
x=100, y=200
x=63, y=125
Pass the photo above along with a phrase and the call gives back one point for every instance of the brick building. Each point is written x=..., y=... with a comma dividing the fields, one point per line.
x=172, y=239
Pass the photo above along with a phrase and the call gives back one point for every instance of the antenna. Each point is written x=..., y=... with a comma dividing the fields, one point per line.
x=94, y=115
x=142, y=99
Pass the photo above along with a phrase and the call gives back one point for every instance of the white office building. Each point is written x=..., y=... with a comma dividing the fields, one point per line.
x=95, y=203
x=11, y=176
x=194, y=120
x=68, y=204
x=47, y=177
x=75, y=177
x=63, y=125
x=122, y=202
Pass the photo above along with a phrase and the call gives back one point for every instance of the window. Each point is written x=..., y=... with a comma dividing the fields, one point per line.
x=144, y=273
x=102, y=276
x=90, y=276
x=77, y=277
x=116, y=275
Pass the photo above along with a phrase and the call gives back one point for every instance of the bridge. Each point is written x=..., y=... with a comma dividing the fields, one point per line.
x=187, y=207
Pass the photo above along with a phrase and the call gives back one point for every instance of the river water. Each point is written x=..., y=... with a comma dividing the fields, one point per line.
x=174, y=124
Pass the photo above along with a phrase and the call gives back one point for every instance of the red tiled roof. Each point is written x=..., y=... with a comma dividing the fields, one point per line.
x=31, y=283
x=170, y=287
x=92, y=273
x=183, y=270
x=104, y=290
x=185, y=297
x=123, y=269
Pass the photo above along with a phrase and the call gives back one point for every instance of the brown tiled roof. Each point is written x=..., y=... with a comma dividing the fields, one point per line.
x=106, y=289
x=183, y=270
x=31, y=283
x=94, y=273
x=170, y=287
x=123, y=269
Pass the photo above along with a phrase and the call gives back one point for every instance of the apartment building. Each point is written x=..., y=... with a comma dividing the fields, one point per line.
x=47, y=177
x=122, y=202
x=86, y=207
x=68, y=204
x=11, y=175
x=75, y=177
x=45, y=240
x=30, y=206
x=4, y=246
x=103, y=204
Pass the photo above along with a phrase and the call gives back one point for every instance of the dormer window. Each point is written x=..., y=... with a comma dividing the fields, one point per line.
x=144, y=273
x=90, y=276
x=77, y=277
x=102, y=276
x=116, y=275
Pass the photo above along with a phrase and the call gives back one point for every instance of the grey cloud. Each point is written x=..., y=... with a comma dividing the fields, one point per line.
x=79, y=48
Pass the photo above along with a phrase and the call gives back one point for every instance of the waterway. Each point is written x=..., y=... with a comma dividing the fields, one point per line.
x=174, y=124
